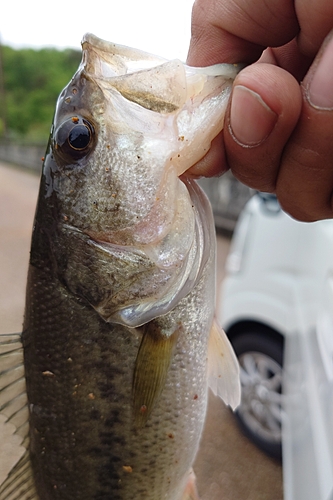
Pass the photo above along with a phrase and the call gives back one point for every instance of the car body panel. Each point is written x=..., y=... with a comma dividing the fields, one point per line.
x=280, y=274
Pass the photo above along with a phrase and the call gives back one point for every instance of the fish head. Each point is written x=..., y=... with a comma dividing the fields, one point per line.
x=125, y=127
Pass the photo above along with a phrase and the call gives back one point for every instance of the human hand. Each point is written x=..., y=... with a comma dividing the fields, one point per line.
x=278, y=133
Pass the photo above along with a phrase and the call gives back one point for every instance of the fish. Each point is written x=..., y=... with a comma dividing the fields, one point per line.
x=104, y=394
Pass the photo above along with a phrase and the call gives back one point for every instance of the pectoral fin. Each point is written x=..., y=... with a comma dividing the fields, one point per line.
x=151, y=369
x=16, y=480
x=223, y=368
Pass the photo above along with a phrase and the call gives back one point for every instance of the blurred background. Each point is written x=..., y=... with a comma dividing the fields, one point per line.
x=40, y=50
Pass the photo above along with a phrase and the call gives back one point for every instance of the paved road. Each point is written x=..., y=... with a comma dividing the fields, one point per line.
x=228, y=466
x=18, y=195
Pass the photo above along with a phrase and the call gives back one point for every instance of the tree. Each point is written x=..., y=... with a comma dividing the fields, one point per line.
x=33, y=80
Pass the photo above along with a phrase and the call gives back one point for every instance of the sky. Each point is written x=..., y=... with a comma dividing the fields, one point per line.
x=161, y=27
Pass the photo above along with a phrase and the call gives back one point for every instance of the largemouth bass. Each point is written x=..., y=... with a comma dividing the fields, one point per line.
x=118, y=338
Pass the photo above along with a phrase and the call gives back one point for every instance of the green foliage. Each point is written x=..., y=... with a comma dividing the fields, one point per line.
x=33, y=79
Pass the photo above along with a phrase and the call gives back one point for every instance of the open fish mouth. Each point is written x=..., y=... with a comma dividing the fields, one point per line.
x=152, y=120
x=105, y=59
x=143, y=122
x=194, y=95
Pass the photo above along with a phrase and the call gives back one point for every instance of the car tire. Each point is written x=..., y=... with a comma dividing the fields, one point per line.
x=260, y=355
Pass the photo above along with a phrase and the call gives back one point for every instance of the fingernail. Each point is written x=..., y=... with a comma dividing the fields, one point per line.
x=251, y=120
x=320, y=91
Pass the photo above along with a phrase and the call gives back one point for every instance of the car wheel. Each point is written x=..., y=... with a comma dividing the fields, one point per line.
x=259, y=414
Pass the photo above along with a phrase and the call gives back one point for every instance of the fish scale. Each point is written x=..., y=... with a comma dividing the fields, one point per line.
x=101, y=364
x=118, y=337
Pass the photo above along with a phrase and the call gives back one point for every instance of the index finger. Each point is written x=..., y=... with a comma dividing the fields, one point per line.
x=238, y=30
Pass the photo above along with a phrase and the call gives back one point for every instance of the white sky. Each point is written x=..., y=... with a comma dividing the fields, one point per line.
x=159, y=27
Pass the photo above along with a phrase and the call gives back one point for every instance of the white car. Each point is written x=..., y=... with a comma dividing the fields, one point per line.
x=277, y=308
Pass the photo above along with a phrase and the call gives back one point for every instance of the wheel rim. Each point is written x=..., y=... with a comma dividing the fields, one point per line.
x=260, y=408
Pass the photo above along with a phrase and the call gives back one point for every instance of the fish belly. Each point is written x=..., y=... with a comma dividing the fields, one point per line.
x=79, y=371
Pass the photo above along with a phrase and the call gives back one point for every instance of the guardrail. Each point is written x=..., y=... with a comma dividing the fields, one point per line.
x=23, y=155
x=226, y=194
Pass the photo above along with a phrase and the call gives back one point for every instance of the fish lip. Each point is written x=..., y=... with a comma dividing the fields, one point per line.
x=113, y=49
x=102, y=59
x=107, y=48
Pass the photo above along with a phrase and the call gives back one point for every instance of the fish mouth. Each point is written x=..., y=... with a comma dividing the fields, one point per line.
x=152, y=82
x=193, y=99
x=162, y=112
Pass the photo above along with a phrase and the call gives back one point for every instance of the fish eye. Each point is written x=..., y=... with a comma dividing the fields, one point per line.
x=79, y=137
x=74, y=139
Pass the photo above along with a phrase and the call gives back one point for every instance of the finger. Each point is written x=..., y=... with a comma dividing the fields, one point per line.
x=238, y=30
x=289, y=58
x=316, y=20
x=265, y=107
x=214, y=163
x=305, y=181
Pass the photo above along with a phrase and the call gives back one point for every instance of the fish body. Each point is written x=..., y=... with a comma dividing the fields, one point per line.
x=120, y=293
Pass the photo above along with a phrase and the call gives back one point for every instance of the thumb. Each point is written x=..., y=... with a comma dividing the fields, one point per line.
x=265, y=106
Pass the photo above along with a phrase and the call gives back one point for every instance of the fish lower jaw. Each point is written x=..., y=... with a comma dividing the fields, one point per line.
x=152, y=293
